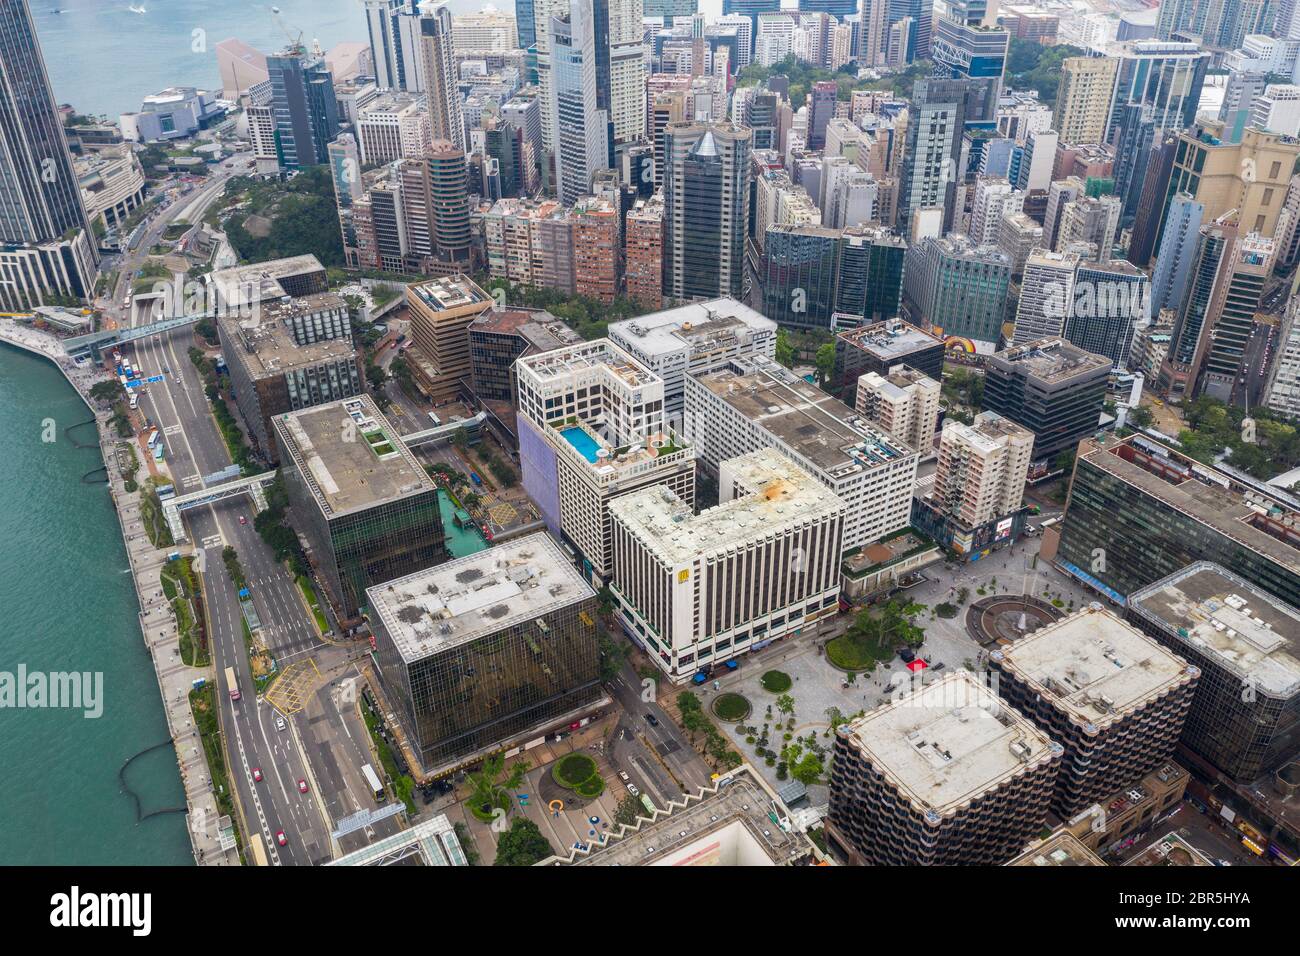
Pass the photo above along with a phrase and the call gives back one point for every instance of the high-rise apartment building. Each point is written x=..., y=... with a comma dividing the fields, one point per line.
x=366, y=506
x=754, y=403
x=903, y=402
x=597, y=249
x=1083, y=98
x=693, y=340
x=706, y=210
x=487, y=651
x=1046, y=292
x=1051, y=387
x=643, y=252
x=1113, y=697
x=1245, y=718
x=438, y=74
x=591, y=428
x=697, y=590
x=994, y=198
x=945, y=775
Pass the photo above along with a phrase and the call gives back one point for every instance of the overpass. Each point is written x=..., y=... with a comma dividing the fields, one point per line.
x=443, y=432
x=254, y=486
x=95, y=342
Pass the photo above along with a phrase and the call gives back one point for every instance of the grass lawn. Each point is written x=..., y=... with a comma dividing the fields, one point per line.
x=776, y=682
x=313, y=602
x=572, y=770
x=851, y=655
x=730, y=707
x=203, y=705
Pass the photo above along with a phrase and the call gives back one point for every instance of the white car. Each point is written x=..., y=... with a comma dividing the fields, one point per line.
x=279, y=722
x=622, y=775
x=631, y=788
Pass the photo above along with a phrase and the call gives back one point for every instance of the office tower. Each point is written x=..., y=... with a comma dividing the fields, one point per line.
x=366, y=506
x=1083, y=98
x=1248, y=179
x=1046, y=292
x=1051, y=387
x=382, y=27
x=970, y=50
x=1222, y=366
x=579, y=129
x=591, y=428
x=1110, y=299
x=979, y=484
x=1037, y=160
x=488, y=31
x=1211, y=270
x=754, y=403
x=931, y=158
x=706, y=210
x=305, y=108
x=994, y=198
x=1156, y=92
x=956, y=288
x=912, y=41
x=821, y=108
x=295, y=353
x=392, y=127
x=597, y=249
x=46, y=245
x=345, y=172
x=869, y=284
x=903, y=402
x=697, y=590
x=797, y=275
x=487, y=651
x=947, y=774
x=1277, y=109
x=1244, y=717
x=1173, y=263
x=1113, y=697
x=670, y=9
x=449, y=203
x=441, y=311
x=1091, y=222
x=627, y=71
x=750, y=10
x=643, y=252
x=1149, y=220
x=499, y=337
x=692, y=340
x=1139, y=511
x=880, y=347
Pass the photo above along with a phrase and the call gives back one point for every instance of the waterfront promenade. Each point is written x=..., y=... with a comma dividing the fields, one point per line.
x=157, y=622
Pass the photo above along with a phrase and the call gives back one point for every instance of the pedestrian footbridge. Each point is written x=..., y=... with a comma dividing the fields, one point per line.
x=254, y=486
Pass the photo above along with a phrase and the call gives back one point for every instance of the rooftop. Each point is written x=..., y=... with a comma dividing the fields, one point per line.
x=1062, y=848
x=699, y=326
x=988, y=430
x=890, y=340
x=949, y=742
x=821, y=429
x=1170, y=850
x=448, y=293
x=350, y=456
x=541, y=330
x=1250, y=633
x=734, y=823
x=1094, y=667
x=261, y=280
x=779, y=494
x=595, y=356
x=1052, y=360
x=431, y=611
x=269, y=348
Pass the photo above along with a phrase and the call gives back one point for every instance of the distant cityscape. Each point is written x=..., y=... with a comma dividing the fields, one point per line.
x=859, y=434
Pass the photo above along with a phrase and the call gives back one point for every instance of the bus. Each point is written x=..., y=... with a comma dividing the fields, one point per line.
x=153, y=439
x=368, y=772
x=257, y=851
x=158, y=452
x=135, y=400
x=232, y=684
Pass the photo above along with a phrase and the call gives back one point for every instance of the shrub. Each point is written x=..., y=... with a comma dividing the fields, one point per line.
x=776, y=682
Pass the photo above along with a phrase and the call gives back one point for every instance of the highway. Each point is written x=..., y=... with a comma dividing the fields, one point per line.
x=194, y=448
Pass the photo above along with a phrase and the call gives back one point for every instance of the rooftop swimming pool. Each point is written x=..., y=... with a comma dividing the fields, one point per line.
x=583, y=442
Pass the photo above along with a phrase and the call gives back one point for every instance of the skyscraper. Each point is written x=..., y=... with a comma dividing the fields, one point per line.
x=305, y=108
x=706, y=209
x=446, y=119
x=873, y=39
x=579, y=128
x=41, y=214
x=1083, y=98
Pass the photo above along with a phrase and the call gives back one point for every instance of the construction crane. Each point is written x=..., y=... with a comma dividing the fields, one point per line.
x=295, y=42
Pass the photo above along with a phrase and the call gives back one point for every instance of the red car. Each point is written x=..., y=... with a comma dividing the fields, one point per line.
x=243, y=520
x=257, y=774
x=279, y=838
x=302, y=786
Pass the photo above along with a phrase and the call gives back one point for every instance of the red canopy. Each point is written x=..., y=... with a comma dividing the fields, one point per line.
x=917, y=665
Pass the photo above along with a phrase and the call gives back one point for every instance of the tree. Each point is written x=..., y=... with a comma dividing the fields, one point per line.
x=612, y=654
x=628, y=811
x=1140, y=417
x=490, y=787
x=785, y=704
x=107, y=391
x=808, y=769
x=825, y=360
x=522, y=845
x=784, y=350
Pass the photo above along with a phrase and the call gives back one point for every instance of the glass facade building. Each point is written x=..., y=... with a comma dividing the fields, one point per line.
x=487, y=650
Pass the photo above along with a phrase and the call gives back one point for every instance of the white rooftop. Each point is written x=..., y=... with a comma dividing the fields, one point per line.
x=950, y=741
x=1094, y=666
x=694, y=326
x=442, y=607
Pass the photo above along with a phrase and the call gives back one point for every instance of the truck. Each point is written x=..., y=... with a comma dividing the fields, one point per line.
x=475, y=478
x=232, y=684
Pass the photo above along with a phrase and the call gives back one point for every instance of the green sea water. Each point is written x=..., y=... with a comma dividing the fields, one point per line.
x=67, y=604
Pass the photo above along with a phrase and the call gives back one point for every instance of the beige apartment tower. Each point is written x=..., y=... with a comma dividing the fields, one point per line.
x=982, y=468
x=1083, y=98
x=904, y=403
